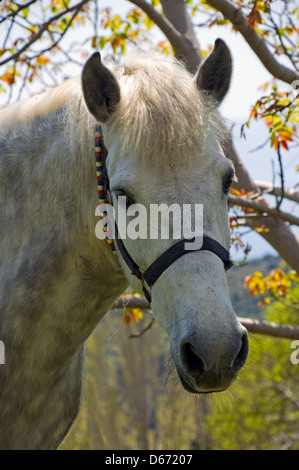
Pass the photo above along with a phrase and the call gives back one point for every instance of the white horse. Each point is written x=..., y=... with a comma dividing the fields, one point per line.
x=57, y=279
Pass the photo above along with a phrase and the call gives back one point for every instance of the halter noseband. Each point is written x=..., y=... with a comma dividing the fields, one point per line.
x=149, y=276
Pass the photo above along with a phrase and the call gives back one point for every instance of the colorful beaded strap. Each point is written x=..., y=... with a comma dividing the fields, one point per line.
x=100, y=180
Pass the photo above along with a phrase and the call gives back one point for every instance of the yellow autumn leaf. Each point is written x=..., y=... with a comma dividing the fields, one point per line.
x=130, y=314
x=41, y=60
x=148, y=22
x=285, y=134
x=137, y=314
x=9, y=76
x=258, y=274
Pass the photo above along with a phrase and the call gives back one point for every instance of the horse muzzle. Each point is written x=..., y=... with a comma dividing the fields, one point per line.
x=204, y=368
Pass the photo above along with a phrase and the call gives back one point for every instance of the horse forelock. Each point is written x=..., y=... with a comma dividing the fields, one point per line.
x=161, y=110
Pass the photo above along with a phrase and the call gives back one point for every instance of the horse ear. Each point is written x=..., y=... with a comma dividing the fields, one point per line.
x=100, y=88
x=214, y=75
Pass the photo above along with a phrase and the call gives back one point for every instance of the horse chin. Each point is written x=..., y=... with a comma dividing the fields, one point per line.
x=202, y=388
x=188, y=387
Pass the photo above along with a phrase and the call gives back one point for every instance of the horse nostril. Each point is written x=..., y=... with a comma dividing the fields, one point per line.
x=191, y=361
x=241, y=357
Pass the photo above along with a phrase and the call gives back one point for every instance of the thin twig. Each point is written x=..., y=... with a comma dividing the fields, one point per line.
x=137, y=335
x=15, y=12
x=268, y=188
x=261, y=146
x=257, y=43
x=60, y=36
x=281, y=174
x=263, y=209
x=277, y=30
x=43, y=28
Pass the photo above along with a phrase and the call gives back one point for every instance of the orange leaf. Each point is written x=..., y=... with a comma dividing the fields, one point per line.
x=284, y=145
x=276, y=143
x=285, y=135
x=263, y=201
x=247, y=280
x=126, y=317
x=8, y=77
x=94, y=42
x=131, y=314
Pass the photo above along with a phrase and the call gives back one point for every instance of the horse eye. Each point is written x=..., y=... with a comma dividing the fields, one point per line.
x=227, y=182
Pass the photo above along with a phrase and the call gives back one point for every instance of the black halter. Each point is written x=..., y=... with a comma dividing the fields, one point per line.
x=149, y=276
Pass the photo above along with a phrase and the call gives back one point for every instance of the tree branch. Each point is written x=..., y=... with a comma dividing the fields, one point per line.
x=263, y=209
x=15, y=12
x=148, y=327
x=42, y=29
x=277, y=30
x=268, y=188
x=56, y=42
x=176, y=12
x=181, y=44
x=261, y=327
x=267, y=328
x=166, y=27
x=256, y=42
x=279, y=235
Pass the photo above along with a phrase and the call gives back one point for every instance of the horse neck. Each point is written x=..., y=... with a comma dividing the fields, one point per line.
x=73, y=276
x=98, y=272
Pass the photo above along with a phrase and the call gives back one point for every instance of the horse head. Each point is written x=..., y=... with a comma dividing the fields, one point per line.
x=164, y=138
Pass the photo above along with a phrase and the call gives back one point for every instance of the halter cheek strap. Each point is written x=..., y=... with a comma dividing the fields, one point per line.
x=149, y=276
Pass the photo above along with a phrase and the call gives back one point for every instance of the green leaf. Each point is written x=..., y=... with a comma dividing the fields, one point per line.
x=103, y=41
x=273, y=137
x=25, y=12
